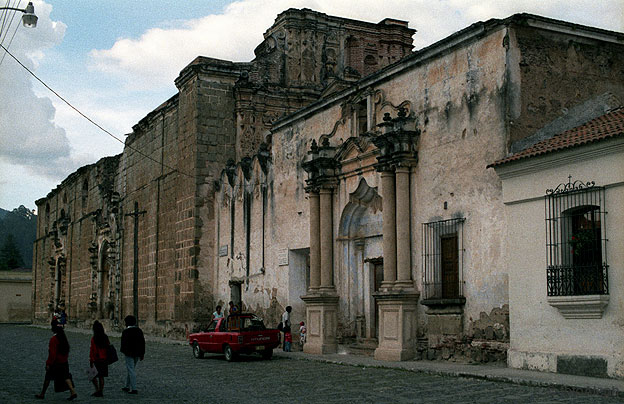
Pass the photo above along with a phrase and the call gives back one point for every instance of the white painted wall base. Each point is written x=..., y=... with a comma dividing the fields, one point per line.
x=542, y=361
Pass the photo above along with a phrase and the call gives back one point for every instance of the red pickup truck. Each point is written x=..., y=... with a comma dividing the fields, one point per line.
x=242, y=333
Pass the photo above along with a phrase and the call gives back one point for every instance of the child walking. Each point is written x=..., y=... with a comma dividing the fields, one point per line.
x=287, y=340
x=302, y=333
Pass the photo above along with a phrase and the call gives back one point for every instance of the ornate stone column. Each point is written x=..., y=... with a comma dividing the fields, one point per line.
x=327, y=243
x=315, y=243
x=397, y=300
x=403, y=245
x=388, y=228
x=321, y=301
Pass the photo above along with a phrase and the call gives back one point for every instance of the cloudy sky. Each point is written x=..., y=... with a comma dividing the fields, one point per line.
x=116, y=60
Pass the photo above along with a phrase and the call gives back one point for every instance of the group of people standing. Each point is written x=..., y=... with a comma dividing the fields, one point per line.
x=101, y=355
x=285, y=327
x=218, y=313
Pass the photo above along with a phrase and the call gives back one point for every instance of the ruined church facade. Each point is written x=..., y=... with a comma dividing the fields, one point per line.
x=340, y=173
x=133, y=233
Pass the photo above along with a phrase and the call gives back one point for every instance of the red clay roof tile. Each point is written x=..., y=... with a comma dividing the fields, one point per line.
x=606, y=126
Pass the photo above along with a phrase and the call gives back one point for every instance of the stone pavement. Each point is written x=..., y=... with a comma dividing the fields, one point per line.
x=171, y=374
x=492, y=372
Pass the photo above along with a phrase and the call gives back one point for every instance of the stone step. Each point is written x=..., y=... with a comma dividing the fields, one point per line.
x=363, y=349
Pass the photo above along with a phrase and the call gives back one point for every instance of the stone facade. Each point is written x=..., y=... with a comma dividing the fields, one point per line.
x=88, y=258
x=338, y=173
x=417, y=137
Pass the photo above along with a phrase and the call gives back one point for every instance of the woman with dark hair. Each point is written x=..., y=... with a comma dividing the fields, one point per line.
x=57, y=367
x=97, y=357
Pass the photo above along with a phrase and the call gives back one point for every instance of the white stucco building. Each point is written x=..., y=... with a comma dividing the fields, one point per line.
x=564, y=205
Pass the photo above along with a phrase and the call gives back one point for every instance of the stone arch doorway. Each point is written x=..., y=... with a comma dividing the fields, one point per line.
x=360, y=235
x=103, y=281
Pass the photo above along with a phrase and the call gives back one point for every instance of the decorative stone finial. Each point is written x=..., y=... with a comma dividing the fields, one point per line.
x=325, y=142
x=402, y=112
x=386, y=117
x=314, y=146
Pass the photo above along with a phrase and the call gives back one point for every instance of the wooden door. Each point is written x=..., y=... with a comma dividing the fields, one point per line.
x=450, y=266
x=378, y=279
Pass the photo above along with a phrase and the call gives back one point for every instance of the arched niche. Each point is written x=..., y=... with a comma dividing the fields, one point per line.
x=360, y=240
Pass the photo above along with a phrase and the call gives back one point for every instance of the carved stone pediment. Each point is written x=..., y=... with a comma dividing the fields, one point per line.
x=353, y=147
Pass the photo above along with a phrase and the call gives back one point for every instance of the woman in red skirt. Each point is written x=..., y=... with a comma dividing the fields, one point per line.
x=97, y=357
x=57, y=367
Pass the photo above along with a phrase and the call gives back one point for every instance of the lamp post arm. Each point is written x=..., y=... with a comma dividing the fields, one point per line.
x=13, y=8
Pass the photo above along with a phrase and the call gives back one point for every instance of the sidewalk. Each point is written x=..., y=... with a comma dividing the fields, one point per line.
x=492, y=372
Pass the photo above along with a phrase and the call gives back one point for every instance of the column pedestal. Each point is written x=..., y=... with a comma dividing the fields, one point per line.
x=321, y=322
x=397, y=325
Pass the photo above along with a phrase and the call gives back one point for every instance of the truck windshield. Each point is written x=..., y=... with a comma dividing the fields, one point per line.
x=252, y=323
x=245, y=324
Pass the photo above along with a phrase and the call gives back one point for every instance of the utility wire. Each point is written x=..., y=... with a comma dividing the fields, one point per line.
x=9, y=45
x=3, y=32
x=5, y=14
x=92, y=121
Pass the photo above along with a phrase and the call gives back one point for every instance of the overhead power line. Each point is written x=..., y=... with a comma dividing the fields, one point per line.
x=91, y=120
x=4, y=32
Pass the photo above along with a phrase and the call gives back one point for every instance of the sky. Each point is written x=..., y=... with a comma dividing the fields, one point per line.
x=117, y=60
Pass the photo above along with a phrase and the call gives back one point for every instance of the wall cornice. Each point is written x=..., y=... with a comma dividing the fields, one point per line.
x=560, y=158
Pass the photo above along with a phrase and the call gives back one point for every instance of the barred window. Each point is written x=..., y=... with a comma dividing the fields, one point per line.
x=442, y=259
x=576, y=240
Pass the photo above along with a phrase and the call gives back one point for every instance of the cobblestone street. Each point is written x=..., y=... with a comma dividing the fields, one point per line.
x=171, y=374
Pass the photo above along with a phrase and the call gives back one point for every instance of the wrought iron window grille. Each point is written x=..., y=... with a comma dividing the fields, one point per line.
x=442, y=259
x=576, y=239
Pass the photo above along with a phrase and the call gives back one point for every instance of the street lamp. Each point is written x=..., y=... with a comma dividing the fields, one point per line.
x=29, y=19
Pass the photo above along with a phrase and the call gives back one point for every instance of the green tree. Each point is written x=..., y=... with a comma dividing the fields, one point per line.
x=10, y=257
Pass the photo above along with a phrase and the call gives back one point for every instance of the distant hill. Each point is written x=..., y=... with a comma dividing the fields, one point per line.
x=22, y=224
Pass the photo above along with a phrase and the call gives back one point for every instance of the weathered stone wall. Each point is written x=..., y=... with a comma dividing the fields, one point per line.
x=247, y=191
x=464, y=121
x=151, y=183
x=555, y=71
x=67, y=238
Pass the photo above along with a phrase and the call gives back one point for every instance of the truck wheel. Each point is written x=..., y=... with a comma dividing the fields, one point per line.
x=267, y=354
x=229, y=354
x=197, y=352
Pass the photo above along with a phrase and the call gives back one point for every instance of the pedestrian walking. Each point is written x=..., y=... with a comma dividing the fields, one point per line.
x=286, y=325
x=57, y=366
x=98, y=357
x=62, y=318
x=133, y=347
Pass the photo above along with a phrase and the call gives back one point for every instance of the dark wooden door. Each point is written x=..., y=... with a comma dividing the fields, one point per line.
x=450, y=266
x=378, y=280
